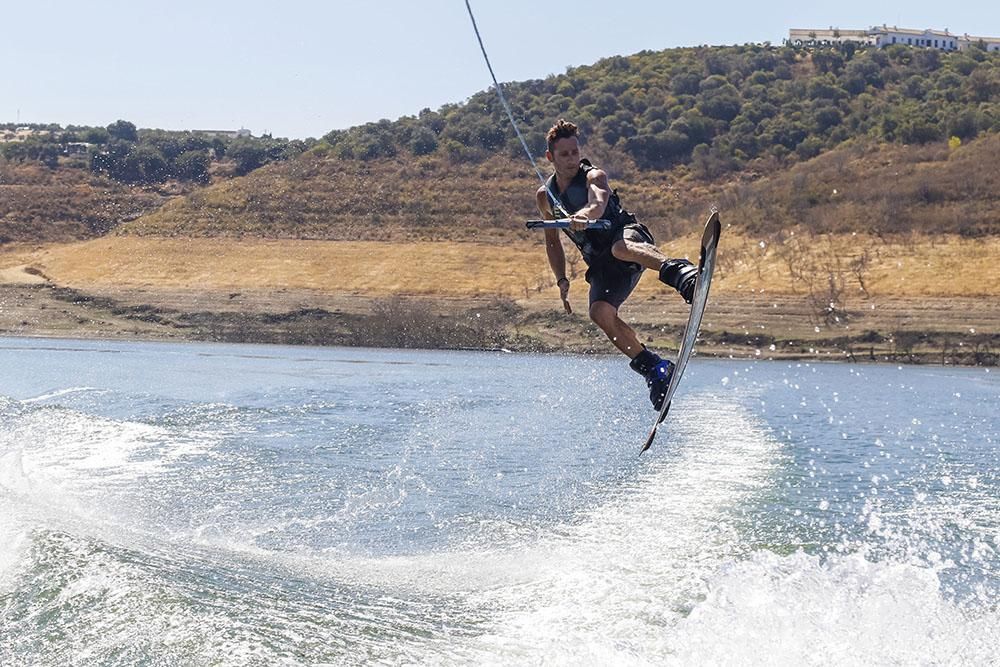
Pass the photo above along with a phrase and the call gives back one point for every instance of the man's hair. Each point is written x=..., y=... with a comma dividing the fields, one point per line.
x=561, y=130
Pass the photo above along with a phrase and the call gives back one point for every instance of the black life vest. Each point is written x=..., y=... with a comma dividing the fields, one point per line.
x=593, y=243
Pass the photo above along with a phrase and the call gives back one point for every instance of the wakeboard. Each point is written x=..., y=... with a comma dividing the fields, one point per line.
x=706, y=267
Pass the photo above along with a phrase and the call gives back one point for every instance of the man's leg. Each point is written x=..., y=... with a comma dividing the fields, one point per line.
x=622, y=335
x=646, y=255
x=677, y=273
x=644, y=362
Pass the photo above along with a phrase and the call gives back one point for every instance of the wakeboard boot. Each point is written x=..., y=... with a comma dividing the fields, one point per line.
x=681, y=275
x=657, y=372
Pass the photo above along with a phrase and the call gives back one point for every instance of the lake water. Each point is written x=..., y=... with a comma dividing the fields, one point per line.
x=186, y=504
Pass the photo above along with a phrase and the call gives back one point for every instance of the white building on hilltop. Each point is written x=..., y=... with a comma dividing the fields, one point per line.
x=934, y=39
x=882, y=36
x=828, y=36
x=990, y=43
x=227, y=134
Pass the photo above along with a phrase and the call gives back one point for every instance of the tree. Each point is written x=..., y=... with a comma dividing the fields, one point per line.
x=915, y=87
x=423, y=141
x=247, y=154
x=825, y=117
x=169, y=145
x=984, y=83
x=695, y=126
x=782, y=131
x=616, y=127
x=96, y=135
x=919, y=131
x=658, y=151
x=809, y=148
x=861, y=73
x=721, y=103
x=606, y=105
x=192, y=166
x=14, y=151
x=112, y=159
x=963, y=125
x=827, y=60
x=218, y=148
x=124, y=130
x=825, y=88
x=49, y=155
x=145, y=164
x=685, y=83
x=742, y=135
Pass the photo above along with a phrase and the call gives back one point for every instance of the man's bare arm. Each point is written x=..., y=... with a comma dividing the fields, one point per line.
x=554, y=249
x=598, y=194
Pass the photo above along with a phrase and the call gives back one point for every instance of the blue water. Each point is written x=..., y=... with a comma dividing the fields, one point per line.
x=189, y=504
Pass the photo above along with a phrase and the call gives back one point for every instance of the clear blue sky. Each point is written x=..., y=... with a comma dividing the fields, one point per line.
x=297, y=68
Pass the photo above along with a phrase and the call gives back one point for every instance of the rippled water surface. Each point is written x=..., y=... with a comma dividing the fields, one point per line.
x=244, y=505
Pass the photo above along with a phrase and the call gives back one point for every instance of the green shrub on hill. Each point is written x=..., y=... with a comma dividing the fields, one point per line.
x=133, y=156
x=741, y=103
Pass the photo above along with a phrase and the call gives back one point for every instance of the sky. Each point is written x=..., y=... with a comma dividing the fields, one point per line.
x=300, y=68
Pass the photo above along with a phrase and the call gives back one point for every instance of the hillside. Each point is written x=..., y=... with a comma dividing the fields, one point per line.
x=703, y=122
x=39, y=204
x=858, y=187
x=907, y=134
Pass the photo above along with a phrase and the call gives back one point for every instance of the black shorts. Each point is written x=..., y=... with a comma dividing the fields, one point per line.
x=611, y=279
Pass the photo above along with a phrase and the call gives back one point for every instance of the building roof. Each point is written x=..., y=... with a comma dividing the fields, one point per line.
x=973, y=38
x=912, y=31
x=895, y=30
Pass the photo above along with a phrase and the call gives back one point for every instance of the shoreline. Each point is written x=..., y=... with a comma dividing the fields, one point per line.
x=474, y=323
x=438, y=295
x=919, y=359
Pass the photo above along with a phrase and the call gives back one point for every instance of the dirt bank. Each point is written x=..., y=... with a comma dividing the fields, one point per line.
x=480, y=296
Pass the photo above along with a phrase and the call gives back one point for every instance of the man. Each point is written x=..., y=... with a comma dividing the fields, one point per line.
x=615, y=257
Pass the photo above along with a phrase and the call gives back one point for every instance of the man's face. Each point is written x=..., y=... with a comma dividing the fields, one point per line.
x=565, y=156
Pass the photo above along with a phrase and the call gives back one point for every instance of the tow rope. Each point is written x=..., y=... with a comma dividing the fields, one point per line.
x=503, y=100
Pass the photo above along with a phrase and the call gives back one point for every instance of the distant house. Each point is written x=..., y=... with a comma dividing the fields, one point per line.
x=882, y=36
x=990, y=43
x=933, y=39
x=225, y=134
x=77, y=148
x=828, y=37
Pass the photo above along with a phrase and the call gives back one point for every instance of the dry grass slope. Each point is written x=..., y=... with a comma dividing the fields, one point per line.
x=861, y=188
x=886, y=190
x=38, y=204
